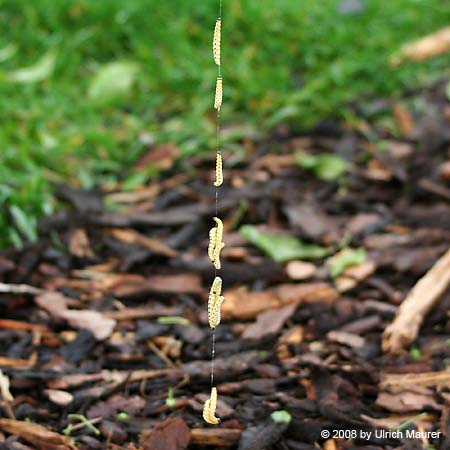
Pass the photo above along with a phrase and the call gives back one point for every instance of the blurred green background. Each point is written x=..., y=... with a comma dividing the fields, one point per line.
x=81, y=81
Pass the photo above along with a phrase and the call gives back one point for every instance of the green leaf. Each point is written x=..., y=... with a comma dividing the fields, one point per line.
x=281, y=416
x=113, y=81
x=24, y=223
x=345, y=258
x=447, y=91
x=39, y=71
x=281, y=248
x=326, y=167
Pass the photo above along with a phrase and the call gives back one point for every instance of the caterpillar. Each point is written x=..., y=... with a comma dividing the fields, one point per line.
x=216, y=41
x=215, y=302
x=209, y=409
x=219, y=94
x=215, y=243
x=219, y=173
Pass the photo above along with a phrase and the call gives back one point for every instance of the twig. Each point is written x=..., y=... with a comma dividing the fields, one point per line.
x=19, y=289
x=410, y=314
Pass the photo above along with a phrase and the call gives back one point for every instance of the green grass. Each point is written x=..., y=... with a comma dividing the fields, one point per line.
x=283, y=60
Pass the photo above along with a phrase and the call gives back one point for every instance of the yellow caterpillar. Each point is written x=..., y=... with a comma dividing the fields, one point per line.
x=215, y=302
x=209, y=409
x=215, y=243
x=219, y=94
x=216, y=42
x=219, y=173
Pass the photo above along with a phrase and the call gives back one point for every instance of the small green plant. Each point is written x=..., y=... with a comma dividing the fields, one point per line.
x=82, y=419
x=347, y=257
x=412, y=421
x=173, y=320
x=281, y=416
x=170, y=400
x=415, y=353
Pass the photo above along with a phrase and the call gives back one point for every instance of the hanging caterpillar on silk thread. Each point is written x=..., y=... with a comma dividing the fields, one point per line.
x=209, y=409
x=215, y=302
x=215, y=243
x=219, y=94
x=216, y=41
x=219, y=172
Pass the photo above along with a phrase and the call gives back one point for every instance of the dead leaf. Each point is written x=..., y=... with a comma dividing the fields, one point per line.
x=53, y=302
x=40, y=437
x=57, y=304
x=313, y=221
x=94, y=321
x=172, y=434
x=269, y=322
x=362, y=221
x=79, y=244
x=117, y=403
x=162, y=157
x=404, y=119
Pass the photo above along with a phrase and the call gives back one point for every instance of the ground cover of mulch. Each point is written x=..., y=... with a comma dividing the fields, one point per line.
x=104, y=336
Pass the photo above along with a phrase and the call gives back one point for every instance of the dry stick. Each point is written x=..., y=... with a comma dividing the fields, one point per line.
x=410, y=314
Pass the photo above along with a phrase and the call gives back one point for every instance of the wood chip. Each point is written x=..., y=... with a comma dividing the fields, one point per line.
x=39, y=436
x=215, y=437
x=300, y=270
x=406, y=401
x=343, y=337
x=439, y=378
x=246, y=305
x=58, y=397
